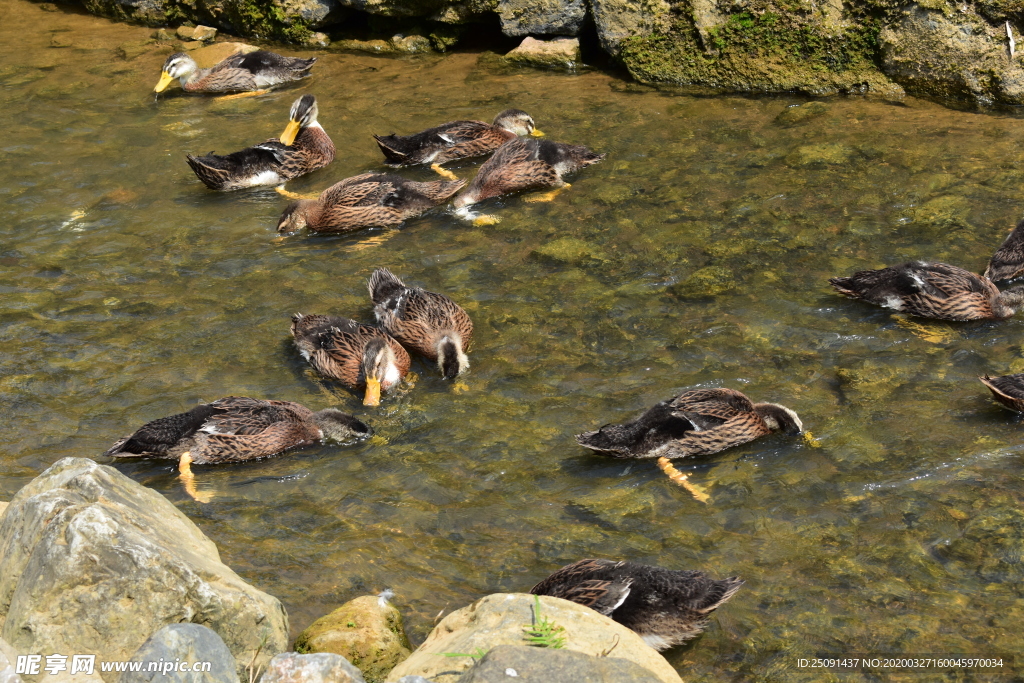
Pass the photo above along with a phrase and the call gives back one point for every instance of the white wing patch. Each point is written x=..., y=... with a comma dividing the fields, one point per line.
x=893, y=302
x=264, y=178
x=446, y=138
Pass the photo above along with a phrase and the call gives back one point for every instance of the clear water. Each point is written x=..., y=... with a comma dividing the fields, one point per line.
x=131, y=292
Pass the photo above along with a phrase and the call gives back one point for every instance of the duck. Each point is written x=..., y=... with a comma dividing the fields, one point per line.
x=1008, y=261
x=303, y=148
x=236, y=429
x=1007, y=389
x=253, y=71
x=932, y=290
x=665, y=607
x=366, y=201
x=455, y=140
x=696, y=422
x=526, y=165
x=355, y=355
x=428, y=323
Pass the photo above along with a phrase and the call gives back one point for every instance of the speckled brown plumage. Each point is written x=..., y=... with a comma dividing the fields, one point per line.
x=1008, y=261
x=932, y=290
x=365, y=201
x=455, y=140
x=697, y=422
x=426, y=322
x=665, y=607
x=1007, y=389
x=236, y=428
x=272, y=162
x=237, y=73
x=520, y=165
x=337, y=348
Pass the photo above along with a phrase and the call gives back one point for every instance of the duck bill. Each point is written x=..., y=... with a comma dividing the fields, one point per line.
x=290, y=131
x=165, y=80
x=372, y=397
x=537, y=133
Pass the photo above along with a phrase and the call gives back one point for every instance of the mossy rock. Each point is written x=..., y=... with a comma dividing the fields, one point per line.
x=707, y=281
x=991, y=546
x=819, y=156
x=569, y=250
x=801, y=113
x=367, y=631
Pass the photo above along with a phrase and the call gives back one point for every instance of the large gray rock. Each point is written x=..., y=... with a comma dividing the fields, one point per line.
x=94, y=562
x=617, y=20
x=189, y=643
x=500, y=619
x=958, y=56
x=8, y=656
x=541, y=17
x=543, y=665
x=322, y=667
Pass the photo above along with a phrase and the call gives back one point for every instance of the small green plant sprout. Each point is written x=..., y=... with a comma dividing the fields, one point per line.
x=351, y=624
x=475, y=654
x=543, y=632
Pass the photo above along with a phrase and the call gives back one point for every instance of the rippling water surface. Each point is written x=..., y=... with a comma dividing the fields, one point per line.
x=697, y=254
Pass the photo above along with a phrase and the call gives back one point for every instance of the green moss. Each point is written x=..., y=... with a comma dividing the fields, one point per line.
x=778, y=49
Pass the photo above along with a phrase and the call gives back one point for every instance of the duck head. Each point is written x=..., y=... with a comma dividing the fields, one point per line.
x=379, y=370
x=451, y=359
x=303, y=115
x=518, y=122
x=295, y=216
x=338, y=426
x=180, y=66
x=779, y=418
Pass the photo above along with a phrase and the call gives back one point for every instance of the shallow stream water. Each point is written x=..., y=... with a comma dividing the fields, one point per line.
x=696, y=254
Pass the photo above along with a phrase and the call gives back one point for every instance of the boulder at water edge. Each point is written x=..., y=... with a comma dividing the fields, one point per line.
x=366, y=631
x=183, y=643
x=542, y=665
x=559, y=53
x=501, y=619
x=94, y=563
x=322, y=667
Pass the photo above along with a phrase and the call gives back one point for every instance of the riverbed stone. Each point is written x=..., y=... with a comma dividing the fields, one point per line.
x=541, y=17
x=322, y=667
x=500, y=619
x=954, y=56
x=801, y=113
x=189, y=643
x=94, y=562
x=558, y=53
x=617, y=20
x=991, y=546
x=540, y=665
x=367, y=631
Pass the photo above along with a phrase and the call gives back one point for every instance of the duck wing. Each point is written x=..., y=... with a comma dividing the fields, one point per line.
x=244, y=416
x=1008, y=261
x=1007, y=389
x=513, y=167
x=453, y=140
x=591, y=582
x=735, y=431
x=262, y=164
x=160, y=436
x=270, y=440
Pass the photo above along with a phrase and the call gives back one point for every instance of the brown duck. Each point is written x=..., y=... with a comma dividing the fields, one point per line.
x=455, y=140
x=366, y=201
x=239, y=72
x=932, y=290
x=303, y=148
x=355, y=355
x=697, y=422
x=665, y=607
x=1007, y=389
x=1008, y=261
x=234, y=429
x=430, y=324
x=526, y=165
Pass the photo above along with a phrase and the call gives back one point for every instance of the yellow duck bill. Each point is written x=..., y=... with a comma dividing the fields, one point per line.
x=290, y=131
x=537, y=133
x=165, y=80
x=372, y=397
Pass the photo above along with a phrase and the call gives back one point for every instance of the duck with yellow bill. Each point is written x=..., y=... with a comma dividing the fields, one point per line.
x=240, y=72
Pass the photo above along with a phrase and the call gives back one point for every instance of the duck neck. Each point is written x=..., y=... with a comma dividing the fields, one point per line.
x=450, y=357
x=1008, y=302
x=315, y=140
